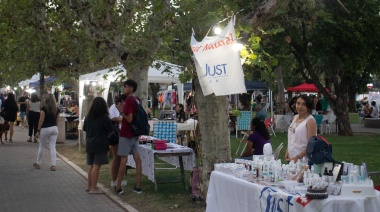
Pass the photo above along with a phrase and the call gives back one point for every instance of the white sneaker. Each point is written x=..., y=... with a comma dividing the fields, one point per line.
x=114, y=183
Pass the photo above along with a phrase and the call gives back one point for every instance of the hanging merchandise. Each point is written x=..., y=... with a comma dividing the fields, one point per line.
x=174, y=97
x=218, y=63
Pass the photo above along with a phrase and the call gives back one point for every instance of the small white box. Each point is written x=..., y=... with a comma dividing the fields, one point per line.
x=358, y=190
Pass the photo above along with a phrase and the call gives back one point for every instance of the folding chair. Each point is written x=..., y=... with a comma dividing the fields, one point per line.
x=243, y=121
x=330, y=121
x=277, y=151
x=243, y=140
x=268, y=124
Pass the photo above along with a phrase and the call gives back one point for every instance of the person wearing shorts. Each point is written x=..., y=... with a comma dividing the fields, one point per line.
x=22, y=101
x=128, y=142
x=98, y=127
x=114, y=139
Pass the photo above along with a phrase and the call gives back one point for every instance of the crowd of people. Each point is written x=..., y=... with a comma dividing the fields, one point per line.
x=110, y=129
x=41, y=116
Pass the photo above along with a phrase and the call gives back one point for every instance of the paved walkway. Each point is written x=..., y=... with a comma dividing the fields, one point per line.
x=24, y=188
x=359, y=128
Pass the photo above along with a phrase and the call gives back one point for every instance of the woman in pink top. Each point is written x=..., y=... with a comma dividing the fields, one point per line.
x=301, y=129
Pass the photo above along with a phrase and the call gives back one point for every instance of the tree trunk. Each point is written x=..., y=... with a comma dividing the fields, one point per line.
x=42, y=80
x=213, y=147
x=140, y=75
x=280, y=103
x=339, y=105
x=352, y=101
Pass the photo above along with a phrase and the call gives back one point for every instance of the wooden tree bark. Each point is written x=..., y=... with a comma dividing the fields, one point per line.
x=141, y=77
x=280, y=103
x=214, y=146
x=213, y=110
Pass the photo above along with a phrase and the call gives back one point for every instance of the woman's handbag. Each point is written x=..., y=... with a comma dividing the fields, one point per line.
x=318, y=150
x=113, y=138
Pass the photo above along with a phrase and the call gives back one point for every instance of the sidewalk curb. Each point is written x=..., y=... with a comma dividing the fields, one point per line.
x=109, y=194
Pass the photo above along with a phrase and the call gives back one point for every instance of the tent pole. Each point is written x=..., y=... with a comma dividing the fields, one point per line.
x=236, y=106
x=271, y=104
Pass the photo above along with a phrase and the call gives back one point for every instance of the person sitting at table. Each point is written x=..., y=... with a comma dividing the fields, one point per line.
x=301, y=129
x=180, y=117
x=365, y=109
x=257, y=139
x=373, y=111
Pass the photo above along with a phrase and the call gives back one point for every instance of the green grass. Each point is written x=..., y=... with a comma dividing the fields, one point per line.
x=173, y=197
x=354, y=118
x=169, y=197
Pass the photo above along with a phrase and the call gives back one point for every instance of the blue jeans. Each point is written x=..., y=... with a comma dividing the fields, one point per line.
x=22, y=115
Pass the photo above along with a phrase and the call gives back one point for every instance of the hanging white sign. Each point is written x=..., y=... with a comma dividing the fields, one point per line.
x=218, y=64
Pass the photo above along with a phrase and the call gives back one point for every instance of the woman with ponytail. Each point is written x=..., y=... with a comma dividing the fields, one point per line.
x=257, y=139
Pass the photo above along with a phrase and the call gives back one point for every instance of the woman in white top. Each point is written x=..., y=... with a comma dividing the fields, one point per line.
x=33, y=108
x=373, y=110
x=301, y=129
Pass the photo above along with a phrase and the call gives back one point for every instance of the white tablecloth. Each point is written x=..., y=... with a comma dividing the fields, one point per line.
x=228, y=193
x=282, y=122
x=147, y=158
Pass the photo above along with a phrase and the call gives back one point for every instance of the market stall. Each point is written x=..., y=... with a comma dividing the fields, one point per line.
x=304, y=87
x=228, y=193
x=179, y=156
x=98, y=83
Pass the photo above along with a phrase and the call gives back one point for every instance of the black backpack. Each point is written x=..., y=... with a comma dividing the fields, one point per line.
x=318, y=150
x=140, y=125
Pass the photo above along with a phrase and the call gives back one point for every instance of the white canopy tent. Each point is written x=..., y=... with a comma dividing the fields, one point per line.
x=34, y=78
x=96, y=84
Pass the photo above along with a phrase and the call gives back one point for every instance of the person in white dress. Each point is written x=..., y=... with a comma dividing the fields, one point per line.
x=301, y=129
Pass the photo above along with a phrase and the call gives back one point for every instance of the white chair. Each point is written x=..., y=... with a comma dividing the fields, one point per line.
x=330, y=121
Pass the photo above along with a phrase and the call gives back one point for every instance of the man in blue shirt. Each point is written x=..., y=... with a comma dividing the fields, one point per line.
x=261, y=112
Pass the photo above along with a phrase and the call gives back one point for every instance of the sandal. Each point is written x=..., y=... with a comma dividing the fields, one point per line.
x=29, y=140
x=89, y=189
x=52, y=168
x=36, y=165
x=10, y=141
x=35, y=140
x=96, y=191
